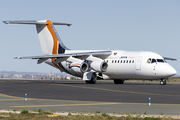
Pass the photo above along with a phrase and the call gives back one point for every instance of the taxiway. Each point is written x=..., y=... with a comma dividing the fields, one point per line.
x=105, y=96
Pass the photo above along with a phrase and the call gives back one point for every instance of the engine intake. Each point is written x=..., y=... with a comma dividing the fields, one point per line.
x=99, y=66
x=79, y=67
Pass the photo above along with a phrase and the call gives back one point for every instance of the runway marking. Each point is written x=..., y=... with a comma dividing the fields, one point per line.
x=89, y=104
x=53, y=115
x=116, y=90
x=68, y=105
x=22, y=98
x=10, y=99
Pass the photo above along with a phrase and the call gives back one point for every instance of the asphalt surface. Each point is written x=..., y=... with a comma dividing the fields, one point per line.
x=104, y=96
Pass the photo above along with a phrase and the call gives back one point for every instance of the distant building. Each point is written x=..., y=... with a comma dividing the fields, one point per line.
x=68, y=78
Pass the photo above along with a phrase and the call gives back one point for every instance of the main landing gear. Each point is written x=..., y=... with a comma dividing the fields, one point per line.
x=118, y=81
x=93, y=79
x=163, y=82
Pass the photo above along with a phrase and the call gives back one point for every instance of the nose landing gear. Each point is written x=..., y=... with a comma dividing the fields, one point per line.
x=163, y=82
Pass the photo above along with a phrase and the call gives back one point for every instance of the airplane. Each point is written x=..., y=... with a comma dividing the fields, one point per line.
x=90, y=65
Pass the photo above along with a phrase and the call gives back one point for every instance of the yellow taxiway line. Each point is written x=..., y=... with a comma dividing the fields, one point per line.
x=110, y=103
x=11, y=99
x=85, y=103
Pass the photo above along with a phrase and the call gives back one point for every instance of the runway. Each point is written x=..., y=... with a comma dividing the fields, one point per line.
x=104, y=96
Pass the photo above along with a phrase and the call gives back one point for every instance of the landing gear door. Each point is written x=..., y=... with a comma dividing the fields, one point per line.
x=138, y=63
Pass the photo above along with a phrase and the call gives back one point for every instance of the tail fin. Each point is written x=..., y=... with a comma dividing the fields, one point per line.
x=48, y=36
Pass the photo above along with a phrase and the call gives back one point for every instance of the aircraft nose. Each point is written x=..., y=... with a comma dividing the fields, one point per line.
x=171, y=71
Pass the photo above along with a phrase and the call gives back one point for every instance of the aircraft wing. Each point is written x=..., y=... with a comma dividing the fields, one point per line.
x=43, y=58
x=166, y=58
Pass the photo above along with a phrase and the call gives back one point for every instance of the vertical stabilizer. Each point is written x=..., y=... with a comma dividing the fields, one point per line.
x=48, y=36
x=49, y=39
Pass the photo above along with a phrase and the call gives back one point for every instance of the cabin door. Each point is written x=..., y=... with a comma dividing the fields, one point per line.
x=138, y=63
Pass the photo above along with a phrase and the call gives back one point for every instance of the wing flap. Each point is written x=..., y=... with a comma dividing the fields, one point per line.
x=41, y=60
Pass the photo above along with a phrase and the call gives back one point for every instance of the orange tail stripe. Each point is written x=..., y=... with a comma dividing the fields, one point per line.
x=55, y=40
x=54, y=37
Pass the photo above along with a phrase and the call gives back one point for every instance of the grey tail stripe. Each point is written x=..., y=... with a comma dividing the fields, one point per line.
x=61, y=47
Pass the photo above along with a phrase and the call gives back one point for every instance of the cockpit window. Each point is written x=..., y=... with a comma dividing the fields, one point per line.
x=153, y=61
x=149, y=60
x=160, y=60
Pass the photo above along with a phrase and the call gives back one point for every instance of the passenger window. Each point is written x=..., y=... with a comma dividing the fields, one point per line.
x=129, y=61
x=153, y=61
x=112, y=61
x=124, y=61
x=118, y=61
x=149, y=60
x=115, y=61
x=133, y=61
x=121, y=61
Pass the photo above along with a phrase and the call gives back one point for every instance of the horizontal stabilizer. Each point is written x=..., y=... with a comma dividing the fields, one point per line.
x=34, y=22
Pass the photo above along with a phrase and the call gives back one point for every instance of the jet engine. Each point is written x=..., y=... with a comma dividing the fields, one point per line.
x=99, y=66
x=79, y=67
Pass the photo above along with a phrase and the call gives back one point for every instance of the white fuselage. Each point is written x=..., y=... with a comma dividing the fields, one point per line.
x=131, y=65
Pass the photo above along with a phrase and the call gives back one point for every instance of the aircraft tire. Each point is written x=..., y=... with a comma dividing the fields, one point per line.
x=118, y=81
x=93, y=79
x=121, y=81
x=163, y=82
x=90, y=82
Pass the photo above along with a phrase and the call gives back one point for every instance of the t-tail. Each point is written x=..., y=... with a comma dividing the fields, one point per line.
x=49, y=39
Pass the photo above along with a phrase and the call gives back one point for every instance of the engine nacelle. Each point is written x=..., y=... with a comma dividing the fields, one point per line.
x=79, y=67
x=99, y=66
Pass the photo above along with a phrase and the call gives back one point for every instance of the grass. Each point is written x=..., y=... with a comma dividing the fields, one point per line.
x=170, y=79
x=150, y=118
x=103, y=116
x=174, y=79
x=98, y=111
x=24, y=112
x=47, y=115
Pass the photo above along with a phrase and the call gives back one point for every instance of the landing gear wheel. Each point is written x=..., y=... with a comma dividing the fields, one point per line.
x=163, y=82
x=93, y=79
x=118, y=81
x=90, y=82
x=121, y=81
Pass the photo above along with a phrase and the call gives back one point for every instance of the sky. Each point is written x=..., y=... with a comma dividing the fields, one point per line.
x=96, y=25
